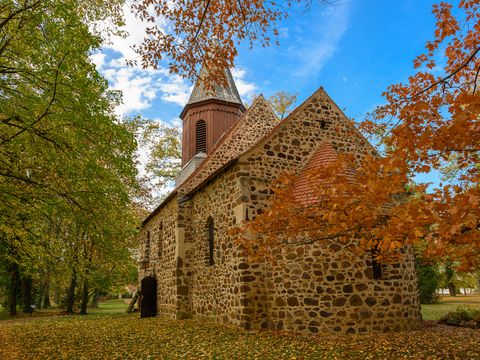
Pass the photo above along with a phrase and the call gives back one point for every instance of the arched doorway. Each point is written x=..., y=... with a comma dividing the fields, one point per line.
x=148, y=306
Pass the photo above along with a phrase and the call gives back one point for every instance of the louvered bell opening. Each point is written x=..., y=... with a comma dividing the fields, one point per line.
x=201, y=137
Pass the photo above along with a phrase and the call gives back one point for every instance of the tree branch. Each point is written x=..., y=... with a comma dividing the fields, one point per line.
x=47, y=110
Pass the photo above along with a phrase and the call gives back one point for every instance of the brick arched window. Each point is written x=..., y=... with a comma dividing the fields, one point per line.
x=201, y=137
x=211, y=241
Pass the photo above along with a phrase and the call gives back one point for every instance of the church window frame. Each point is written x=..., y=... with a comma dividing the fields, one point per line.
x=200, y=136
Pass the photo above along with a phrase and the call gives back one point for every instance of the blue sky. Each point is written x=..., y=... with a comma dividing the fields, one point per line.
x=354, y=49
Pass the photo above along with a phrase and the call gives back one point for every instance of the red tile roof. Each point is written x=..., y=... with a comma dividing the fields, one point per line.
x=304, y=187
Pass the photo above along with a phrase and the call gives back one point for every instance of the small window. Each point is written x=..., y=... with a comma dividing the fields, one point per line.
x=376, y=266
x=160, y=240
x=211, y=241
x=201, y=137
x=147, y=247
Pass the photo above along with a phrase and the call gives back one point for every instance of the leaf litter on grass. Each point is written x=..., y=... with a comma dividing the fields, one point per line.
x=128, y=337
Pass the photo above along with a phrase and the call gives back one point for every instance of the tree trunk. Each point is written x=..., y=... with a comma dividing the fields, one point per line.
x=39, y=300
x=449, y=274
x=46, y=293
x=56, y=295
x=71, y=292
x=83, y=309
x=14, y=277
x=43, y=288
x=27, y=294
x=95, y=299
x=451, y=289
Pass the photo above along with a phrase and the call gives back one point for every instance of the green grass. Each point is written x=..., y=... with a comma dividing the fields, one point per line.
x=447, y=304
x=110, y=307
x=106, y=308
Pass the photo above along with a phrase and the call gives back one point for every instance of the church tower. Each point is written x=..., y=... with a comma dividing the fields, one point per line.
x=206, y=117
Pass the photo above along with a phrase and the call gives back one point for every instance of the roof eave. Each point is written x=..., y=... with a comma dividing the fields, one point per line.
x=158, y=208
x=208, y=101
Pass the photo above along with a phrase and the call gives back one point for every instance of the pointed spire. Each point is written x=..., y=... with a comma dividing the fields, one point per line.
x=220, y=92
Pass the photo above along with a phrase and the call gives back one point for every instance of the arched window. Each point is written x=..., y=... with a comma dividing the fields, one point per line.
x=160, y=240
x=147, y=247
x=376, y=266
x=201, y=137
x=211, y=241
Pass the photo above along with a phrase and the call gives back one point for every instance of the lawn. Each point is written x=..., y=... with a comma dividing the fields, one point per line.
x=106, y=308
x=110, y=334
x=447, y=304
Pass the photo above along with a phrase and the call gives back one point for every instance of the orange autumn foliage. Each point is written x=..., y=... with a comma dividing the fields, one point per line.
x=191, y=32
x=429, y=123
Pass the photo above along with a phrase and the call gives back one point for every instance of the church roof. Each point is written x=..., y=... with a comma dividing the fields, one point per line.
x=247, y=138
x=227, y=92
x=304, y=187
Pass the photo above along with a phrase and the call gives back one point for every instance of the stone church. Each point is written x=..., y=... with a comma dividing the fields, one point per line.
x=190, y=267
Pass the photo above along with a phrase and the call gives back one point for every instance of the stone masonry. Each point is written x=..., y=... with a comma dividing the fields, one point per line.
x=320, y=287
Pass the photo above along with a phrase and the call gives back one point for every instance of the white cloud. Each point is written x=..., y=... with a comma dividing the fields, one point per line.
x=246, y=89
x=315, y=51
x=98, y=59
x=140, y=87
x=176, y=90
x=135, y=33
x=137, y=88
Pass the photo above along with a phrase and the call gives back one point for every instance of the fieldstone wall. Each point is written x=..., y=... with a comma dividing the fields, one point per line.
x=163, y=256
x=215, y=289
x=291, y=144
x=322, y=287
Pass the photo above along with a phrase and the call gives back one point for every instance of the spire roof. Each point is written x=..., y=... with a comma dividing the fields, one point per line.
x=220, y=92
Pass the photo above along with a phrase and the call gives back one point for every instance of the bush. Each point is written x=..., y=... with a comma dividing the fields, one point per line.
x=428, y=279
x=462, y=316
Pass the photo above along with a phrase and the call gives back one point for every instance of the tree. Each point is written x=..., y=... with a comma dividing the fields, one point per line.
x=190, y=33
x=428, y=281
x=67, y=174
x=449, y=273
x=164, y=144
x=282, y=103
x=424, y=124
